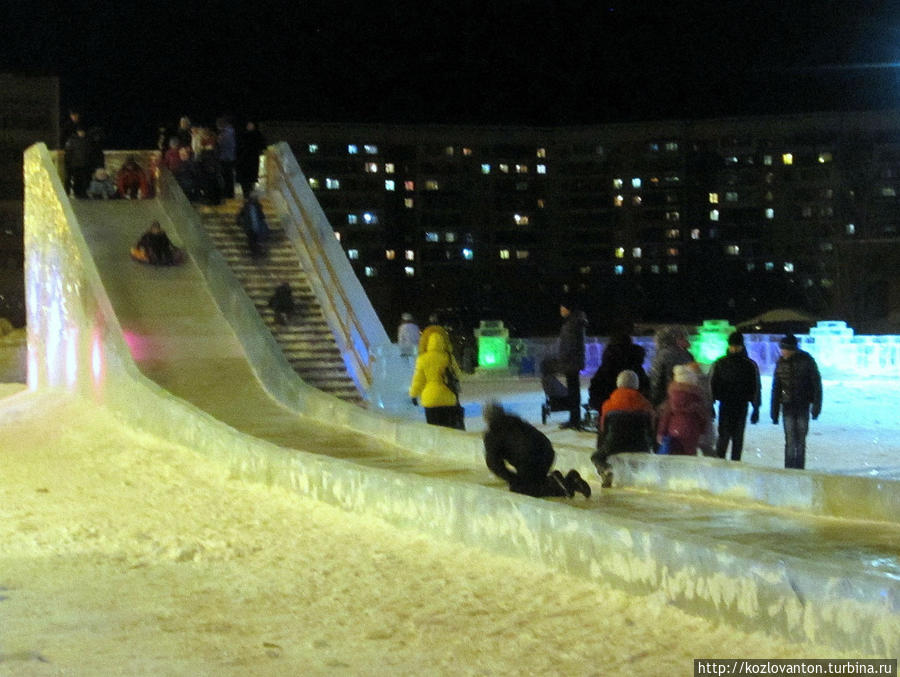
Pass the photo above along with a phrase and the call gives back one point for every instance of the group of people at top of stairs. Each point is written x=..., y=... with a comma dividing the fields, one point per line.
x=85, y=173
x=207, y=162
x=669, y=411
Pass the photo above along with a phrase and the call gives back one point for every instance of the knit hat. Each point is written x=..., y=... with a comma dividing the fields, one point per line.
x=683, y=373
x=736, y=339
x=789, y=342
x=627, y=379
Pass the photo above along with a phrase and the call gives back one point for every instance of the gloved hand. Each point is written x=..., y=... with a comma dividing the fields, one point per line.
x=754, y=416
x=415, y=401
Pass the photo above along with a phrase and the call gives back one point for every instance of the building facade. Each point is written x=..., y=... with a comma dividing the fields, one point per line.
x=663, y=221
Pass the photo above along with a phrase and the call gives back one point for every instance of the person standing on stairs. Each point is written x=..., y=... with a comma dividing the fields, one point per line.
x=282, y=303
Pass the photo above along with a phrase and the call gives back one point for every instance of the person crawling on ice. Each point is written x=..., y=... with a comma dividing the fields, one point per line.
x=156, y=248
x=521, y=455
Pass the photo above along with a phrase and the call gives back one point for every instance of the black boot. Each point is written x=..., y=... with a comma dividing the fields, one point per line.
x=576, y=482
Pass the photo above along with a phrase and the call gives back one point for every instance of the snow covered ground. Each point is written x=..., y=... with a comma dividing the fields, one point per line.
x=123, y=554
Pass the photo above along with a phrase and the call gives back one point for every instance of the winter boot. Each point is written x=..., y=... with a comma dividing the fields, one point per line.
x=576, y=482
x=556, y=479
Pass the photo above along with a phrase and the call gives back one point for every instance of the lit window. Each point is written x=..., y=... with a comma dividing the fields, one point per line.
x=541, y=152
x=851, y=229
x=732, y=159
x=788, y=267
x=353, y=254
x=673, y=234
x=332, y=184
x=673, y=216
x=695, y=233
x=467, y=152
x=409, y=185
x=450, y=236
x=751, y=266
x=390, y=254
x=370, y=271
x=732, y=250
x=521, y=185
x=636, y=253
x=599, y=150
x=619, y=269
x=388, y=167
x=351, y=219
x=770, y=265
x=713, y=214
x=521, y=169
x=389, y=184
x=542, y=169
x=767, y=159
x=431, y=184
x=654, y=269
x=731, y=196
x=825, y=157
x=654, y=180
x=370, y=218
x=504, y=168
x=521, y=219
x=672, y=251
x=618, y=183
x=448, y=150
x=522, y=254
x=672, y=268
x=585, y=270
x=770, y=213
x=806, y=212
x=409, y=271
x=769, y=196
x=504, y=254
x=408, y=202
x=635, y=182
x=431, y=236
x=485, y=169
x=653, y=146
x=370, y=149
x=620, y=252
x=313, y=148
x=372, y=167
x=888, y=191
x=618, y=200
x=467, y=254
x=313, y=183
x=787, y=159
x=827, y=284
x=409, y=255
x=352, y=149
x=713, y=198
x=671, y=146
x=541, y=203
x=636, y=200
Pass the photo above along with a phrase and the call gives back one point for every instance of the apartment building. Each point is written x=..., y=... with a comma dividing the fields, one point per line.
x=667, y=220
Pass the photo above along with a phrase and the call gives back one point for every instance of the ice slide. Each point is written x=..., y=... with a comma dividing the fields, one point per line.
x=157, y=347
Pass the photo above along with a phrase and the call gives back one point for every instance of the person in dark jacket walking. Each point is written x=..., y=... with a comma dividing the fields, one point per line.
x=521, y=455
x=568, y=358
x=796, y=394
x=734, y=380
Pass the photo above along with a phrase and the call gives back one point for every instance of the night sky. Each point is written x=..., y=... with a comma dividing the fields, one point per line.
x=130, y=66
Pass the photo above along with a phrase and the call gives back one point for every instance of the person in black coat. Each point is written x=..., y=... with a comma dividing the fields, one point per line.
x=521, y=455
x=568, y=358
x=251, y=145
x=734, y=380
x=796, y=394
x=620, y=354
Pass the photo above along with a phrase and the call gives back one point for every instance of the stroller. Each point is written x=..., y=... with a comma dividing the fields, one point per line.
x=557, y=399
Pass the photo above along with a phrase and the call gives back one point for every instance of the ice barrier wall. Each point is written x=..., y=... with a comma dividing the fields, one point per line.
x=76, y=347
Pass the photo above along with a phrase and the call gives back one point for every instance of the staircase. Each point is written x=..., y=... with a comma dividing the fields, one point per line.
x=306, y=340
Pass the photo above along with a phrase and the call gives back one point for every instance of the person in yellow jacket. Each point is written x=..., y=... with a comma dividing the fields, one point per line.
x=435, y=381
